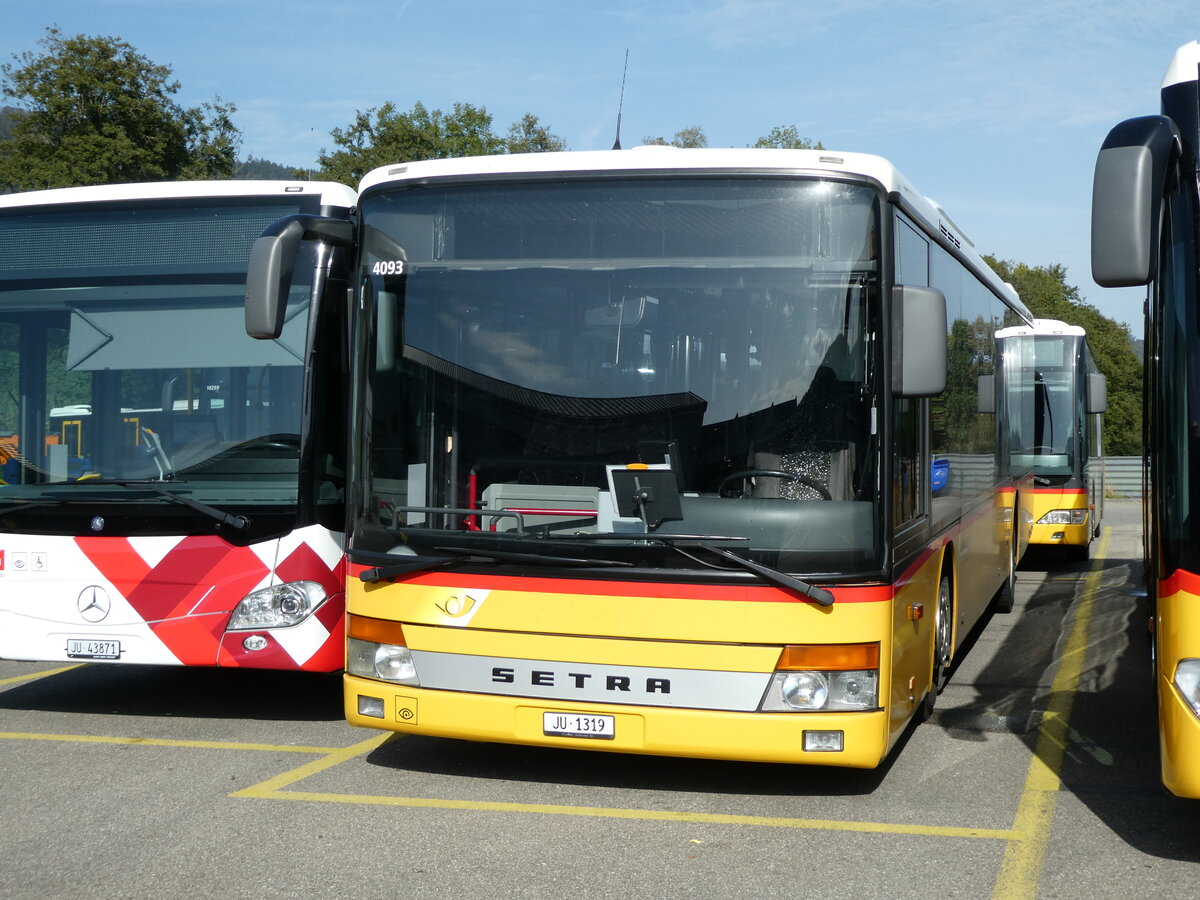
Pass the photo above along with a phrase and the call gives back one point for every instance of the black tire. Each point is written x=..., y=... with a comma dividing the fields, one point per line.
x=1006, y=597
x=943, y=646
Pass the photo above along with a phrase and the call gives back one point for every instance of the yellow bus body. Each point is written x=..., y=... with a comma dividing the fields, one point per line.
x=734, y=629
x=1177, y=634
x=1045, y=500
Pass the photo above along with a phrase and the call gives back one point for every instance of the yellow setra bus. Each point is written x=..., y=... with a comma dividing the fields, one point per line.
x=684, y=452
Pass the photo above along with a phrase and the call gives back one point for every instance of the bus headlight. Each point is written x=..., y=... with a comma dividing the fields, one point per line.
x=825, y=678
x=383, y=662
x=1064, y=517
x=1187, y=682
x=277, y=606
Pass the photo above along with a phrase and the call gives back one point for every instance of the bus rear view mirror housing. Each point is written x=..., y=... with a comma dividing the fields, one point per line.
x=1127, y=192
x=1097, y=393
x=272, y=258
x=918, y=341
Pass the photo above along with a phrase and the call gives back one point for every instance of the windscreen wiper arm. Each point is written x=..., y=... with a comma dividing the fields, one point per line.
x=774, y=576
x=704, y=541
x=544, y=559
x=462, y=554
x=410, y=564
x=236, y=522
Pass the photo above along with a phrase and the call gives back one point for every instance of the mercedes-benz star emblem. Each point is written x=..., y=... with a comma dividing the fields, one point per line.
x=97, y=523
x=93, y=603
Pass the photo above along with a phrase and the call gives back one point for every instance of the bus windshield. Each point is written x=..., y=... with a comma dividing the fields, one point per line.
x=123, y=354
x=1048, y=426
x=589, y=358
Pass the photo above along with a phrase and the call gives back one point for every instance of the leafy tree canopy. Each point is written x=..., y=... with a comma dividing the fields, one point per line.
x=95, y=111
x=684, y=137
x=787, y=137
x=1045, y=291
x=385, y=135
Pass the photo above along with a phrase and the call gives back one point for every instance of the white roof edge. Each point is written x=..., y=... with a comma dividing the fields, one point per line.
x=1042, y=327
x=1184, y=66
x=650, y=158
x=332, y=193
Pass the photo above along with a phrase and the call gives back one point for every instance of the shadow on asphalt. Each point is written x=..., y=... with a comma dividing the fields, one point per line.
x=1111, y=761
x=182, y=692
x=568, y=766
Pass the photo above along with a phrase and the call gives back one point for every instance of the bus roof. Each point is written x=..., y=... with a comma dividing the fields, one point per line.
x=749, y=160
x=331, y=193
x=1042, y=328
x=1185, y=65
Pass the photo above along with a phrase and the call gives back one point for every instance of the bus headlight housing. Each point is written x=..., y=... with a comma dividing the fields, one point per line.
x=824, y=678
x=376, y=648
x=1064, y=517
x=1187, y=682
x=277, y=606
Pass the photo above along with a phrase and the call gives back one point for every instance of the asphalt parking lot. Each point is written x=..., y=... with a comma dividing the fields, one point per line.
x=1036, y=777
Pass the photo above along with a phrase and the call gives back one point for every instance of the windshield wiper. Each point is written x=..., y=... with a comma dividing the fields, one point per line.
x=774, y=576
x=462, y=554
x=537, y=558
x=705, y=542
x=410, y=564
x=236, y=522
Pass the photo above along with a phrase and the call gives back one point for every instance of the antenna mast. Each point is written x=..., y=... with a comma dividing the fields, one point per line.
x=617, y=142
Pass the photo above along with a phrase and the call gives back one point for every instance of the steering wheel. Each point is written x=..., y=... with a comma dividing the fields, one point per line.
x=771, y=473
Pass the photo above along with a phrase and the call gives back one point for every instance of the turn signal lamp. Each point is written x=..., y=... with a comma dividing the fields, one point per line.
x=376, y=648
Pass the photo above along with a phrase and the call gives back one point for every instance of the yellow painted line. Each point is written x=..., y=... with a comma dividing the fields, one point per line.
x=161, y=742
x=1023, y=857
x=43, y=674
x=272, y=789
x=652, y=815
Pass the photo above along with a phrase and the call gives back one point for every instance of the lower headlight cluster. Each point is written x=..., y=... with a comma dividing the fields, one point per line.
x=1064, y=517
x=822, y=691
x=824, y=678
x=384, y=662
x=1187, y=681
x=277, y=606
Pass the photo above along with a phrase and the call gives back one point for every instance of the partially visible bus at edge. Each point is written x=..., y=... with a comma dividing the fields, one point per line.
x=645, y=452
x=171, y=489
x=1145, y=216
x=1059, y=431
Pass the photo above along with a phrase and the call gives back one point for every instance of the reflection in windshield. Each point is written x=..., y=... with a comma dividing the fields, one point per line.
x=688, y=356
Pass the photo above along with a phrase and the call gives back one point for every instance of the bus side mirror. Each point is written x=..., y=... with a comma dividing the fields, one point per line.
x=272, y=258
x=1097, y=393
x=918, y=341
x=1127, y=192
x=987, y=394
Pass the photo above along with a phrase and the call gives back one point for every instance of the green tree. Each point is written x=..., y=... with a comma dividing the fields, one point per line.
x=528, y=135
x=693, y=136
x=384, y=136
x=95, y=111
x=787, y=137
x=1045, y=291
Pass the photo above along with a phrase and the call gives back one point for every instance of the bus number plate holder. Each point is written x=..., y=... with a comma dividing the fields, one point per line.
x=85, y=649
x=579, y=725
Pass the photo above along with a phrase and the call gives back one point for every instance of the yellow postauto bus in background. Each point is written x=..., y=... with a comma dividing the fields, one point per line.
x=1060, y=430
x=683, y=452
x=1145, y=220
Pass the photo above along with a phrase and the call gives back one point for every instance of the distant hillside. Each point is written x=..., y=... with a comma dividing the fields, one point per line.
x=263, y=170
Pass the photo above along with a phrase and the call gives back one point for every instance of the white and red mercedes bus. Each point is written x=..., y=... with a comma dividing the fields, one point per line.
x=170, y=489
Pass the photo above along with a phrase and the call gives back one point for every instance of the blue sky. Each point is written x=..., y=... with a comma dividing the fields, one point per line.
x=997, y=113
